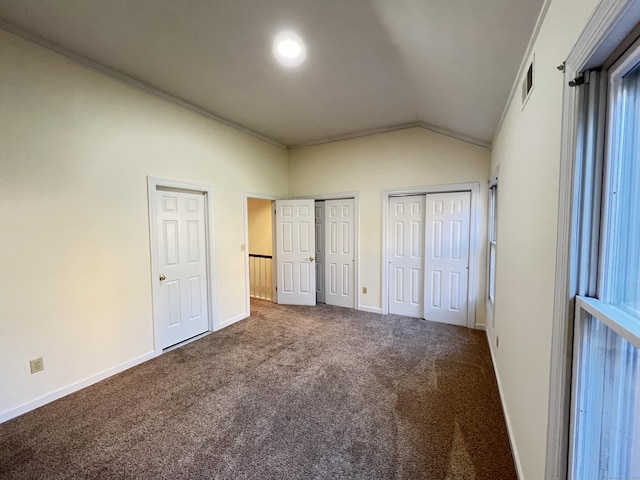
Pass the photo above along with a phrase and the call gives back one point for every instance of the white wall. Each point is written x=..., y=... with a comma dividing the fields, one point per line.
x=260, y=219
x=408, y=158
x=76, y=149
x=527, y=150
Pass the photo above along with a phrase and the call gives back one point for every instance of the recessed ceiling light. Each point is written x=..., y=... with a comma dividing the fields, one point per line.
x=289, y=49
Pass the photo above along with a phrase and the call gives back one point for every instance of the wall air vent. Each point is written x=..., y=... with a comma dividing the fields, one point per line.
x=527, y=83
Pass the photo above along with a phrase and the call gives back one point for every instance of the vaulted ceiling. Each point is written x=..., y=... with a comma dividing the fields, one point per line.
x=372, y=65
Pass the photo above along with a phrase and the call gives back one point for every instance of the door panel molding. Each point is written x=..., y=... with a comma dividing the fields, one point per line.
x=155, y=184
x=475, y=242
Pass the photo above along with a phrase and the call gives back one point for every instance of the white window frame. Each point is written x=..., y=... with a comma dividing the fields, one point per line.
x=611, y=21
x=599, y=307
x=612, y=209
x=492, y=238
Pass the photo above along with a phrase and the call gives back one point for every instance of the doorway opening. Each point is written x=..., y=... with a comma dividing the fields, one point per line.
x=303, y=251
x=260, y=248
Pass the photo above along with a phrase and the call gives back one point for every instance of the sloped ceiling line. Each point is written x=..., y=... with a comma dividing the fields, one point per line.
x=133, y=82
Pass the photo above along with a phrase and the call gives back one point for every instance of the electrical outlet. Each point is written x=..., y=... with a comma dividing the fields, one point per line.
x=37, y=365
x=364, y=289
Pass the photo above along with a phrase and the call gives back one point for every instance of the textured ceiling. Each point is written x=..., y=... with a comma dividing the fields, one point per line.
x=371, y=64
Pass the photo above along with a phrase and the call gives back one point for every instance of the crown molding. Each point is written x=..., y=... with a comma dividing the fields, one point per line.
x=394, y=128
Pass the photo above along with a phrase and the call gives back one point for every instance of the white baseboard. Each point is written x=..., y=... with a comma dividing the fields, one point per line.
x=74, y=387
x=231, y=321
x=365, y=308
x=480, y=326
x=514, y=449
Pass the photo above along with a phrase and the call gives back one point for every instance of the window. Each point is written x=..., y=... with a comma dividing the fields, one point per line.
x=493, y=210
x=605, y=437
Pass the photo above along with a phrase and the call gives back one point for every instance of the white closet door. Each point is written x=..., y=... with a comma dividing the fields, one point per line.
x=406, y=273
x=447, y=257
x=295, y=252
x=339, y=252
x=320, y=288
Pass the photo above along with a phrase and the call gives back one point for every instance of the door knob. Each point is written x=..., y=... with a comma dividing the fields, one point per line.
x=311, y=259
x=162, y=277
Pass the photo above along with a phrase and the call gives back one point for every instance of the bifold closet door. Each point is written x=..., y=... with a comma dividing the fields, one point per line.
x=339, y=252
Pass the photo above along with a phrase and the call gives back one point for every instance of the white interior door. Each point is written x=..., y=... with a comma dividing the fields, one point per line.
x=320, y=288
x=447, y=257
x=181, y=228
x=295, y=251
x=406, y=274
x=339, y=252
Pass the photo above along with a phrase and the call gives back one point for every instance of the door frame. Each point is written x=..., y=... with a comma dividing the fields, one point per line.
x=245, y=215
x=474, y=237
x=153, y=183
x=356, y=235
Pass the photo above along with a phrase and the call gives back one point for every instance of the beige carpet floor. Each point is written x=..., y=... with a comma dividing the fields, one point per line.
x=290, y=393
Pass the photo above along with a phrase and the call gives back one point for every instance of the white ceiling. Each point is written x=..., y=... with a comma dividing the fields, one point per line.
x=371, y=64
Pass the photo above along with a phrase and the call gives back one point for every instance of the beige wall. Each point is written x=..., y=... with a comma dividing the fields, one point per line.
x=76, y=150
x=527, y=150
x=260, y=220
x=369, y=165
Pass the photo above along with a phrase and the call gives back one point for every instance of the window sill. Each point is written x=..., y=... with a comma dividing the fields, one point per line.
x=625, y=325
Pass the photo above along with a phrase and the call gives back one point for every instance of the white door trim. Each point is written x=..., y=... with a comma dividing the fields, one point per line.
x=356, y=240
x=153, y=183
x=474, y=244
x=245, y=216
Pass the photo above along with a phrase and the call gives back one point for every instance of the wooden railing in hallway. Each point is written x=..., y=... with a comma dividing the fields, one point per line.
x=261, y=276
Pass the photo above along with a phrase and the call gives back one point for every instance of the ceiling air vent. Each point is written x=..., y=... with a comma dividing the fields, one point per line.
x=527, y=83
